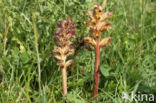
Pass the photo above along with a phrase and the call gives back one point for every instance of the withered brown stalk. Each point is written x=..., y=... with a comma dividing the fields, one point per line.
x=97, y=24
x=5, y=40
x=64, y=48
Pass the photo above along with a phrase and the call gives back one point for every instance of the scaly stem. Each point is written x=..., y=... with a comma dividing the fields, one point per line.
x=64, y=81
x=96, y=68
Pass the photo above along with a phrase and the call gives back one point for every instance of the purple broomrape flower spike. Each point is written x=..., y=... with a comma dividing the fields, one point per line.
x=64, y=48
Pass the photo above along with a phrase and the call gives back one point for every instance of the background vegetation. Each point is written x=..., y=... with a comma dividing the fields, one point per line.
x=128, y=65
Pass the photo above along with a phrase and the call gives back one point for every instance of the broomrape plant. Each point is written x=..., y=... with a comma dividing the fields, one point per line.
x=97, y=24
x=64, y=48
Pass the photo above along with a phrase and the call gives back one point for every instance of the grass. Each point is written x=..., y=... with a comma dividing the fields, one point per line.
x=128, y=65
x=37, y=52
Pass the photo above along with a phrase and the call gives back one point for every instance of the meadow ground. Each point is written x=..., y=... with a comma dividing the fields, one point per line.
x=29, y=74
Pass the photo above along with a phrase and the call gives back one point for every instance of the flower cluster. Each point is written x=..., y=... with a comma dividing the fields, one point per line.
x=97, y=21
x=63, y=47
x=98, y=24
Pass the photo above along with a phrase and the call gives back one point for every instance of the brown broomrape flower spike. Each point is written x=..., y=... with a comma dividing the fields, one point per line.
x=64, y=48
x=97, y=24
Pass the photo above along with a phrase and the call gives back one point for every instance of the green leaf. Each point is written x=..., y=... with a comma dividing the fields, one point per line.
x=24, y=57
x=105, y=70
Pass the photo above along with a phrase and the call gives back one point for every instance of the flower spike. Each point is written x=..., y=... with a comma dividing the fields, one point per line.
x=97, y=24
x=64, y=48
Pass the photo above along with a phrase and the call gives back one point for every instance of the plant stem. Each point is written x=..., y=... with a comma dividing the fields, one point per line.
x=5, y=41
x=5, y=38
x=96, y=68
x=64, y=81
x=37, y=51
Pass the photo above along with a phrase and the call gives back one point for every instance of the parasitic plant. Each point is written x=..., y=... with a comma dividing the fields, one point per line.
x=97, y=24
x=64, y=48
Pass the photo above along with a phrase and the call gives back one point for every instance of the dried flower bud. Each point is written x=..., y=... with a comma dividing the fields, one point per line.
x=89, y=40
x=105, y=41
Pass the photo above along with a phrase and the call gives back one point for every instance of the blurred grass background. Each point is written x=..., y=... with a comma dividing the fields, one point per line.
x=29, y=74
